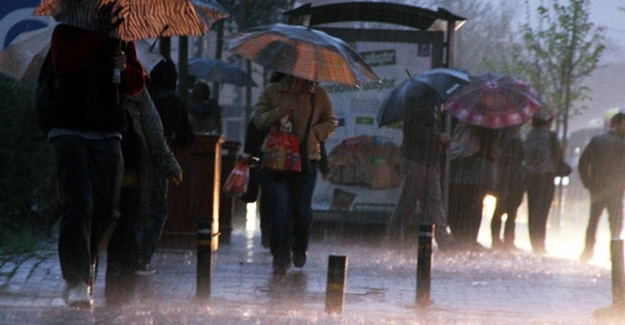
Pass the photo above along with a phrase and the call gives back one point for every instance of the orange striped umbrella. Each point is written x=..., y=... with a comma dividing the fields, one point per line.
x=127, y=20
x=302, y=52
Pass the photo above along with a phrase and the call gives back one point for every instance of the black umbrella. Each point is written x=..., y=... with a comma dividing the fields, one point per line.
x=426, y=89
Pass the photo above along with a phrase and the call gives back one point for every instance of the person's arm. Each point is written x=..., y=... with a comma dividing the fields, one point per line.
x=161, y=156
x=267, y=110
x=327, y=122
x=584, y=164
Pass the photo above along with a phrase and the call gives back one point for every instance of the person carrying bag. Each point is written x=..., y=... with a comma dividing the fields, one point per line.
x=289, y=106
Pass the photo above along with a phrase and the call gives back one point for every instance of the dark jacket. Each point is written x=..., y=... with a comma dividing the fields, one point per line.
x=421, y=142
x=83, y=60
x=601, y=165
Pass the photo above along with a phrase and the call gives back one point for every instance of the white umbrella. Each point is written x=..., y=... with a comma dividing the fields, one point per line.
x=24, y=57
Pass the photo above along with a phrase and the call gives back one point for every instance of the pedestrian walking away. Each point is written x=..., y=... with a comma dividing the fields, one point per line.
x=509, y=188
x=602, y=172
x=539, y=166
x=421, y=150
x=473, y=156
x=85, y=131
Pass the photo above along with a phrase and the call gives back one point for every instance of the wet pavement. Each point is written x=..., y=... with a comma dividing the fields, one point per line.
x=488, y=287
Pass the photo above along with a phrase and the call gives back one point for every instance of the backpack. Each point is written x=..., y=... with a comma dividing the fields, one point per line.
x=48, y=94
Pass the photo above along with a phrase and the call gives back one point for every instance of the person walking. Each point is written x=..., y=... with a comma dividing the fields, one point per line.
x=86, y=133
x=509, y=188
x=542, y=151
x=160, y=123
x=306, y=104
x=473, y=157
x=422, y=148
x=602, y=172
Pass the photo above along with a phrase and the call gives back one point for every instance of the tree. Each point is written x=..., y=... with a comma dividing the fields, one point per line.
x=557, y=51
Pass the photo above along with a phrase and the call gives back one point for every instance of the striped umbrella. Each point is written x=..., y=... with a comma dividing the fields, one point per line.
x=494, y=101
x=302, y=52
x=24, y=57
x=127, y=20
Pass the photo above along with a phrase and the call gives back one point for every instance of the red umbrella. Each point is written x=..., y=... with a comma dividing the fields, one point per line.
x=494, y=101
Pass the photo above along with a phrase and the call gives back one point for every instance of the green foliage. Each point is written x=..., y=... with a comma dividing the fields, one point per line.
x=27, y=160
x=558, y=49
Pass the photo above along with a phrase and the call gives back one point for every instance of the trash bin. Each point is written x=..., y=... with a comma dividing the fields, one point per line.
x=198, y=196
x=229, y=153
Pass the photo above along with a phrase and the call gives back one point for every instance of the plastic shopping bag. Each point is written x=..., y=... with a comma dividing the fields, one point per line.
x=236, y=183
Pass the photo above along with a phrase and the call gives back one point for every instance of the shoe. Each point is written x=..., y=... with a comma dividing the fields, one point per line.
x=144, y=269
x=280, y=270
x=78, y=295
x=586, y=256
x=299, y=258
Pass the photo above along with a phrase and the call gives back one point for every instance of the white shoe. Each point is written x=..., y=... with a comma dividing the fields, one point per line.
x=78, y=295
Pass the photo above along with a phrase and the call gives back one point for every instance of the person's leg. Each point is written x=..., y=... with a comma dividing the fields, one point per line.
x=76, y=200
x=543, y=201
x=303, y=188
x=406, y=204
x=150, y=228
x=281, y=221
x=515, y=198
x=455, y=210
x=597, y=205
x=495, y=224
x=474, y=212
x=428, y=190
x=615, y=213
x=266, y=212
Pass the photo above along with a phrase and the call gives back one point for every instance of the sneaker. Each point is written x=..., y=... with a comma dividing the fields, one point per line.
x=299, y=258
x=145, y=269
x=78, y=295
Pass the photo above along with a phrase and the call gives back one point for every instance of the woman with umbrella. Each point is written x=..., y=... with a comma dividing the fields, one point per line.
x=308, y=107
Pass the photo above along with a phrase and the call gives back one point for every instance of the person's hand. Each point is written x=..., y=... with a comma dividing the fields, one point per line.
x=176, y=179
x=284, y=111
x=119, y=59
x=108, y=17
x=445, y=140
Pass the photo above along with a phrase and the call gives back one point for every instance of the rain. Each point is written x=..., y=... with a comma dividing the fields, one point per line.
x=388, y=78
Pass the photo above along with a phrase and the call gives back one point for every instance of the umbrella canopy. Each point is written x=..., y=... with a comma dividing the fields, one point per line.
x=219, y=71
x=127, y=20
x=210, y=11
x=24, y=57
x=424, y=90
x=302, y=52
x=494, y=101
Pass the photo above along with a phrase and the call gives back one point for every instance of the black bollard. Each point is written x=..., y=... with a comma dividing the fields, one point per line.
x=424, y=264
x=618, y=277
x=204, y=251
x=335, y=290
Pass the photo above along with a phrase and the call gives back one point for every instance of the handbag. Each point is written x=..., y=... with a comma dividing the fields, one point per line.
x=281, y=149
x=238, y=179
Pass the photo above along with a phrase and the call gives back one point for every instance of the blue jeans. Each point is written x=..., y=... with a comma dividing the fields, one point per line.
x=89, y=178
x=291, y=219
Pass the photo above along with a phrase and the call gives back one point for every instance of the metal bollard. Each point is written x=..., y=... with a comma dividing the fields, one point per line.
x=204, y=259
x=337, y=278
x=424, y=264
x=618, y=277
